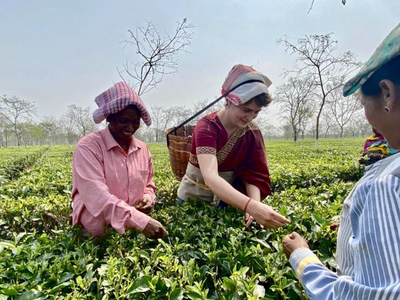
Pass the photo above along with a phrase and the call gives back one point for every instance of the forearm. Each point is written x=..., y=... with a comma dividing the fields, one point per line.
x=253, y=192
x=219, y=186
x=224, y=191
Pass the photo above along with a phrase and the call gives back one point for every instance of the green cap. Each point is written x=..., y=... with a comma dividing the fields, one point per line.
x=387, y=50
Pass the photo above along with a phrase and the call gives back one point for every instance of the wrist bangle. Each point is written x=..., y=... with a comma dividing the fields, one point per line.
x=245, y=207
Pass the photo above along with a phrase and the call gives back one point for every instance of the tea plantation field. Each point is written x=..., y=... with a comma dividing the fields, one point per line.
x=209, y=253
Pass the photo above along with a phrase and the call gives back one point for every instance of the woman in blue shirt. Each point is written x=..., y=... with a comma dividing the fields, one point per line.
x=368, y=249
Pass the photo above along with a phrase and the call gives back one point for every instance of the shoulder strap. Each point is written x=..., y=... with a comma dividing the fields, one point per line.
x=209, y=105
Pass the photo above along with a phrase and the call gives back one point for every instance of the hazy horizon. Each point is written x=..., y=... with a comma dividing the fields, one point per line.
x=61, y=53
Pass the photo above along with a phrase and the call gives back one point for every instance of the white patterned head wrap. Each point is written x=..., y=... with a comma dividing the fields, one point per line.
x=239, y=74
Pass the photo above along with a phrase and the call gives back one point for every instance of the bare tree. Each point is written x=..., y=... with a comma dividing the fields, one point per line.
x=81, y=118
x=181, y=114
x=312, y=4
x=268, y=130
x=295, y=98
x=305, y=123
x=157, y=114
x=343, y=109
x=286, y=131
x=67, y=125
x=200, y=104
x=5, y=131
x=327, y=122
x=33, y=134
x=359, y=126
x=318, y=61
x=15, y=111
x=162, y=118
x=146, y=134
x=158, y=53
x=50, y=125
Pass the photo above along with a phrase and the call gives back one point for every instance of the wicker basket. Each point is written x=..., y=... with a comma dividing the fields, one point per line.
x=179, y=149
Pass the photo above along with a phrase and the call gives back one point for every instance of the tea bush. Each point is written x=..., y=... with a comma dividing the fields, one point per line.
x=209, y=254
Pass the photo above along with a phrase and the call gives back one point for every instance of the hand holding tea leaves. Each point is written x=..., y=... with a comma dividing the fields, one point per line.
x=249, y=219
x=154, y=230
x=265, y=215
x=146, y=205
x=292, y=242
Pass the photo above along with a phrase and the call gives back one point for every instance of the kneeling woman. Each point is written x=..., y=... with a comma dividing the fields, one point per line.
x=113, y=171
x=228, y=159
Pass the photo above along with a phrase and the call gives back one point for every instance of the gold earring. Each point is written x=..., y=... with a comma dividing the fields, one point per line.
x=387, y=109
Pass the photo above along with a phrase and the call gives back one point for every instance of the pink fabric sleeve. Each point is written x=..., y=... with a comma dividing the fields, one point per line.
x=95, y=195
x=150, y=186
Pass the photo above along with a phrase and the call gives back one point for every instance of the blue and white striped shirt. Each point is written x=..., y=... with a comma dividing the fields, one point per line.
x=368, y=250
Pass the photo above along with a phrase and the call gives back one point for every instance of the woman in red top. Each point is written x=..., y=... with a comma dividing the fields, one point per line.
x=228, y=159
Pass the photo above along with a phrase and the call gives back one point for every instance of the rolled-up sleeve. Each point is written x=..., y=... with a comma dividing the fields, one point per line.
x=150, y=186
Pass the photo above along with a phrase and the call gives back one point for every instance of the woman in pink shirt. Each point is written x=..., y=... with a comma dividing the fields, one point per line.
x=113, y=171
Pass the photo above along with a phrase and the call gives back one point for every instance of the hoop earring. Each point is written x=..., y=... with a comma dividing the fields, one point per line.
x=387, y=109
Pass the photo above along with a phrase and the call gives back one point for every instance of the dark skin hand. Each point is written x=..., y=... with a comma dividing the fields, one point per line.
x=335, y=225
x=292, y=242
x=374, y=156
x=145, y=206
x=362, y=160
x=377, y=156
x=154, y=230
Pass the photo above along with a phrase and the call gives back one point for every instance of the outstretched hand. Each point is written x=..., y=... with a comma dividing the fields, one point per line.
x=154, y=230
x=265, y=215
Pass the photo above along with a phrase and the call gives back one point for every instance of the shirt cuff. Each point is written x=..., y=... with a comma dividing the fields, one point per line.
x=300, y=258
x=152, y=197
x=138, y=220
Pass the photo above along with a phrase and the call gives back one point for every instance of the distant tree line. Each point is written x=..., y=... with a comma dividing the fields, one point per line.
x=310, y=100
x=18, y=127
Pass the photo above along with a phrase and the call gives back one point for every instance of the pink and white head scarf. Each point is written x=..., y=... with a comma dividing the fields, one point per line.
x=116, y=99
x=241, y=73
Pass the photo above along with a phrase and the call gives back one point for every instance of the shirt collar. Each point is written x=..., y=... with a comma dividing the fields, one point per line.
x=111, y=142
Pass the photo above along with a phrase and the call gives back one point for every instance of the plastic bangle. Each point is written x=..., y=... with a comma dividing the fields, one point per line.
x=245, y=207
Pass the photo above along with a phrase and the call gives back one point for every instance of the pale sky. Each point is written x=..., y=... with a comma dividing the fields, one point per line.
x=58, y=53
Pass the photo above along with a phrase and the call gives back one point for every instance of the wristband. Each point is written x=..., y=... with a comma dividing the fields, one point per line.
x=245, y=207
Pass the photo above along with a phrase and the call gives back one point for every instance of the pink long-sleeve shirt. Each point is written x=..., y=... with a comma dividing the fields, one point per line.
x=108, y=183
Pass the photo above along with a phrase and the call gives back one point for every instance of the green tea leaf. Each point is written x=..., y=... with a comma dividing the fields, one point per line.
x=31, y=295
x=176, y=294
x=140, y=285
